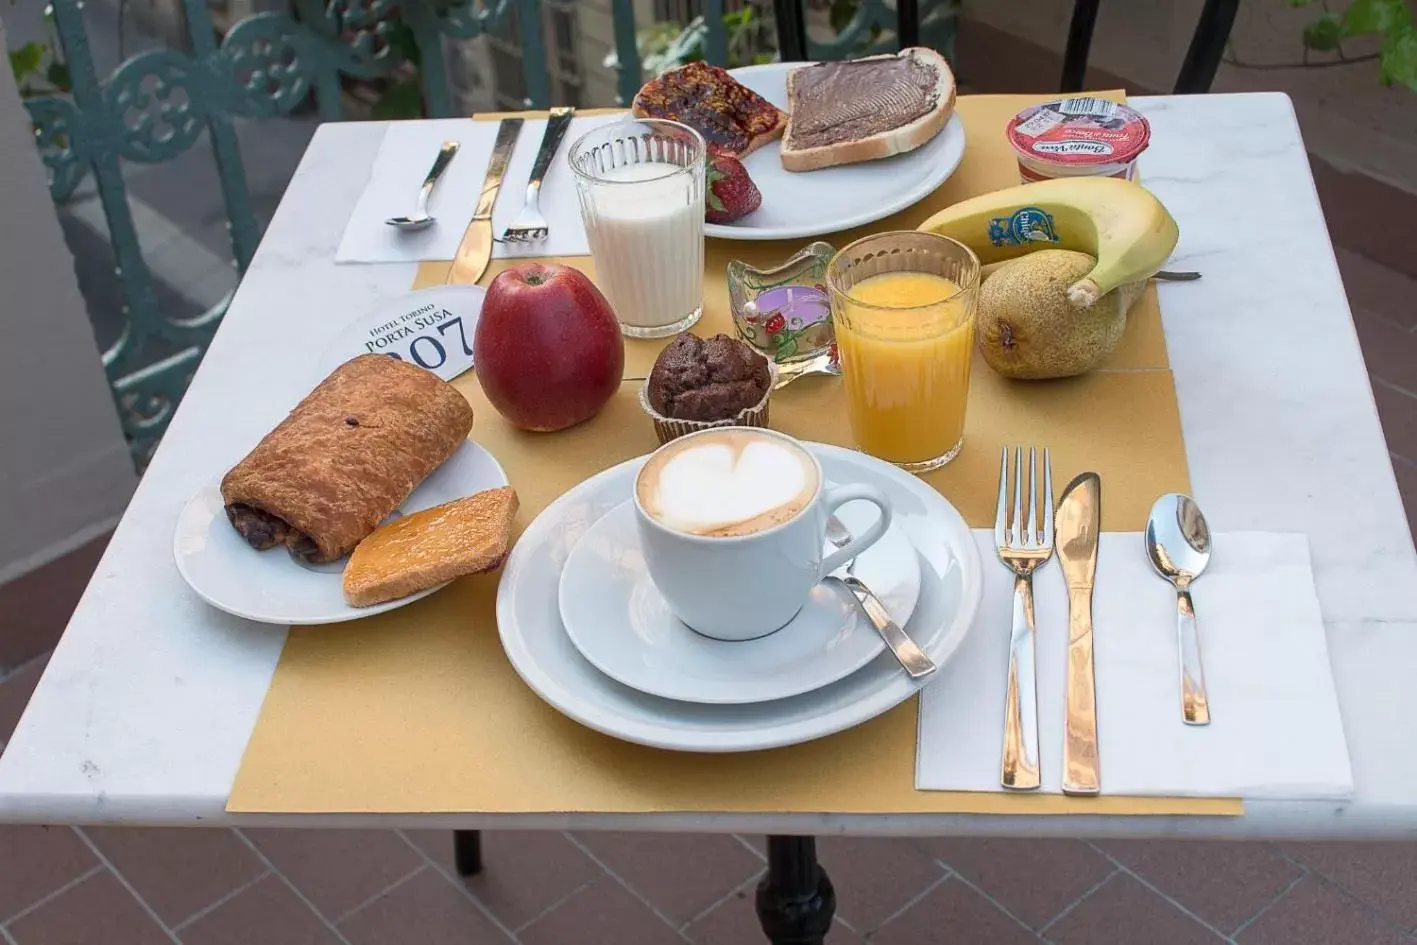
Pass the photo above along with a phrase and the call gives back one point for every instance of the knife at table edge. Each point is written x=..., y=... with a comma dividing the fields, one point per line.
x=1079, y=521
x=475, y=250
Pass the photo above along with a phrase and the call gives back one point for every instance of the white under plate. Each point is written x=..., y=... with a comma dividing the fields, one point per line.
x=798, y=204
x=272, y=586
x=536, y=643
x=619, y=621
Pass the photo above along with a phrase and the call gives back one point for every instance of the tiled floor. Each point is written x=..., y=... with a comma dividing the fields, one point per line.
x=60, y=886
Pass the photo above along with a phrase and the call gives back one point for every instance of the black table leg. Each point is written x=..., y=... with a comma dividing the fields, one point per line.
x=467, y=851
x=795, y=900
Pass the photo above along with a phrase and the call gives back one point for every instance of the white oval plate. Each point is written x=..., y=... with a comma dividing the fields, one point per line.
x=622, y=624
x=798, y=204
x=429, y=327
x=272, y=586
x=529, y=621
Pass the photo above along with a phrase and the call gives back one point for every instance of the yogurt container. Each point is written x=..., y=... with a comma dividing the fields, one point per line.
x=1078, y=137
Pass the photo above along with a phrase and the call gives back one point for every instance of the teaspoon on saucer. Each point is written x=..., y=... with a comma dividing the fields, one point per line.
x=911, y=658
x=1178, y=545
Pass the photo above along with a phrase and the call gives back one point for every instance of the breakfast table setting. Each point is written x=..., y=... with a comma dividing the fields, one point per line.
x=1000, y=465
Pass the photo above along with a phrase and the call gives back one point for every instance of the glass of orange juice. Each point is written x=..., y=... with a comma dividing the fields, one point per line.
x=903, y=308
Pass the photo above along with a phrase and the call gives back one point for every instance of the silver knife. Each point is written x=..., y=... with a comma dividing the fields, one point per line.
x=475, y=251
x=1078, y=528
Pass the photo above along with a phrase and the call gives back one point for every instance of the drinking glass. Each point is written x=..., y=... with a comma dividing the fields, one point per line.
x=641, y=190
x=903, y=305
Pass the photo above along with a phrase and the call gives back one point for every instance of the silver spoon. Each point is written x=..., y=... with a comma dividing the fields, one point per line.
x=420, y=219
x=911, y=658
x=1178, y=544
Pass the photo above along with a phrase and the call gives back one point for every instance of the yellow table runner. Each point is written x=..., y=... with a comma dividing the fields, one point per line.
x=418, y=710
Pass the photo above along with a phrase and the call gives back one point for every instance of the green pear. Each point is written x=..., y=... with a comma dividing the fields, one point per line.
x=1028, y=329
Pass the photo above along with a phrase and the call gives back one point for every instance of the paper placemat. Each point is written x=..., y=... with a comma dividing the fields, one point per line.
x=1275, y=731
x=406, y=154
x=418, y=710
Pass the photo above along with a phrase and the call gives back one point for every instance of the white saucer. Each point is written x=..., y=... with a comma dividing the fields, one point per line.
x=272, y=586
x=536, y=643
x=619, y=621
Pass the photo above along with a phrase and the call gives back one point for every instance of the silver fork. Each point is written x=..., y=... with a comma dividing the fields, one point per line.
x=530, y=226
x=1023, y=552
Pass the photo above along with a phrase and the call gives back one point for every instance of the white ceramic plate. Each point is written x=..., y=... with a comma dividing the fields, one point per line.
x=529, y=621
x=429, y=327
x=272, y=586
x=620, y=622
x=798, y=204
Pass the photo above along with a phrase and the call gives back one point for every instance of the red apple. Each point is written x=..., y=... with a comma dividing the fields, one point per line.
x=547, y=349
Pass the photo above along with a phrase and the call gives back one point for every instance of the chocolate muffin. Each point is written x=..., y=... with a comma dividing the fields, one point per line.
x=707, y=380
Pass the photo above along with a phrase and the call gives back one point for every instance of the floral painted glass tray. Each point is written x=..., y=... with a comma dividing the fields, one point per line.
x=785, y=312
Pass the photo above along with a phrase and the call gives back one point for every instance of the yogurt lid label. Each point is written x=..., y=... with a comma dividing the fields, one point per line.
x=1079, y=131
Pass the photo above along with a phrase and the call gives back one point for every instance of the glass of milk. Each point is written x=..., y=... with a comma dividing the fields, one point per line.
x=641, y=189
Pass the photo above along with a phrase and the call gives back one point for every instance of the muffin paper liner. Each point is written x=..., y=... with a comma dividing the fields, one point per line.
x=667, y=428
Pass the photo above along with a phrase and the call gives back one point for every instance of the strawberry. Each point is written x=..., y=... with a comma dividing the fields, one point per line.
x=729, y=193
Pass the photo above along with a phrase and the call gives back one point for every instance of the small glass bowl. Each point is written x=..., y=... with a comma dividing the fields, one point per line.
x=785, y=312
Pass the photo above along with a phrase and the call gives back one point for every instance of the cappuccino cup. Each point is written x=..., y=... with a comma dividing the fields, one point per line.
x=732, y=523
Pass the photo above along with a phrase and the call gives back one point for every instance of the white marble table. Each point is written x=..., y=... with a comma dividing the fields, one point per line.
x=147, y=704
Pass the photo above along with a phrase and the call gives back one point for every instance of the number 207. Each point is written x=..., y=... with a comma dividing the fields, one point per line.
x=431, y=346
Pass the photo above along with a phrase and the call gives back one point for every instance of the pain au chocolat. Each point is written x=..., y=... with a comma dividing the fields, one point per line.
x=345, y=458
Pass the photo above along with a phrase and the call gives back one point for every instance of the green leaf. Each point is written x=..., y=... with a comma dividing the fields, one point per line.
x=1324, y=34
x=1299, y=3
x=58, y=76
x=712, y=175
x=842, y=12
x=1399, y=58
x=402, y=100
x=1376, y=16
x=401, y=39
x=27, y=59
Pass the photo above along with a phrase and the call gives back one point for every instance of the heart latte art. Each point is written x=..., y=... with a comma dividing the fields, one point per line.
x=727, y=484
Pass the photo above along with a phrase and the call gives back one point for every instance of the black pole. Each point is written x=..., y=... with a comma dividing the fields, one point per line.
x=795, y=899
x=791, y=30
x=1207, y=46
x=467, y=852
x=907, y=13
x=1079, y=44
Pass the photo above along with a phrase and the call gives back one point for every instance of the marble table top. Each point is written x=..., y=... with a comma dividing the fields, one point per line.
x=148, y=701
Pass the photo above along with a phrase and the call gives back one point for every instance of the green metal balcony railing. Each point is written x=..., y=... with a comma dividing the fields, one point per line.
x=159, y=103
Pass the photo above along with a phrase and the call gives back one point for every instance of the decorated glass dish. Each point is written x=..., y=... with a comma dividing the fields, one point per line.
x=785, y=312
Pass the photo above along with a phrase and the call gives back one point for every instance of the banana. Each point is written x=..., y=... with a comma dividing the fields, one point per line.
x=1120, y=223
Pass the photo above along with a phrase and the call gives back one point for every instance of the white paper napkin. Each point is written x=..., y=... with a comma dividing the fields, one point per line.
x=404, y=158
x=1275, y=729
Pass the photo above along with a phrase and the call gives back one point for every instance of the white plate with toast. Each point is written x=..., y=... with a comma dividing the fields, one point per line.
x=273, y=586
x=799, y=204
